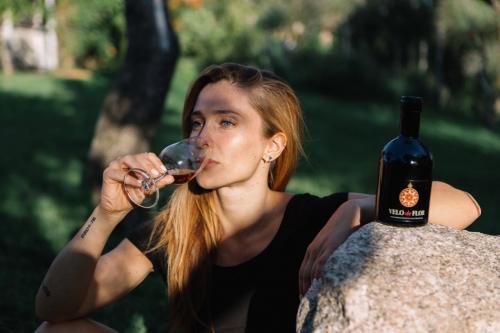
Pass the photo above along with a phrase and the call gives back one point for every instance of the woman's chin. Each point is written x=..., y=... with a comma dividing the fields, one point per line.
x=205, y=184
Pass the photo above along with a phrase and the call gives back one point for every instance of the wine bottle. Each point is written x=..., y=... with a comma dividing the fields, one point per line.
x=405, y=172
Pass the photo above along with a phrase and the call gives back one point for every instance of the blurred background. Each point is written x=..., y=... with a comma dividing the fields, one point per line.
x=84, y=81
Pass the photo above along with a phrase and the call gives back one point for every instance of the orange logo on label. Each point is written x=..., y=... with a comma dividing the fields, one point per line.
x=408, y=197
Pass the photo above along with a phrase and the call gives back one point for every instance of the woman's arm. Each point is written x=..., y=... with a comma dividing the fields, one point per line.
x=452, y=207
x=66, y=283
x=448, y=206
x=81, y=280
x=341, y=224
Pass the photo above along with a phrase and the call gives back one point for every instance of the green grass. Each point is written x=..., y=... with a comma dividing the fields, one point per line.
x=46, y=127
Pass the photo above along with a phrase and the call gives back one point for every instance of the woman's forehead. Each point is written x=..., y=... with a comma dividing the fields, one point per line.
x=222, y=95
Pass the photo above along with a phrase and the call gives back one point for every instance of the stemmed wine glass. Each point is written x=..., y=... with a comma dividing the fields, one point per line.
x=183, y=160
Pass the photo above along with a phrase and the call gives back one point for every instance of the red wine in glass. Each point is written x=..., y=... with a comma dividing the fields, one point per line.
x=183, y=160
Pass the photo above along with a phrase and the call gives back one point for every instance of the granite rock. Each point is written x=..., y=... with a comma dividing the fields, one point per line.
x=396, y=279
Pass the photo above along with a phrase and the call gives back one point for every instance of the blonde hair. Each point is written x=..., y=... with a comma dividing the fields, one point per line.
x=188, y=230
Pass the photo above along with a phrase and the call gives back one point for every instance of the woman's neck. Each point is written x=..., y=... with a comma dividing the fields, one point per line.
x=241, y=207
x=250, y=217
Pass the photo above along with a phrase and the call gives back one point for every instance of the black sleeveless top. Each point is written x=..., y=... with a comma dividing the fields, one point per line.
x=262, y=294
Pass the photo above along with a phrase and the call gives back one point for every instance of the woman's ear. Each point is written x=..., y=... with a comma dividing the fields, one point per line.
x=276, y=145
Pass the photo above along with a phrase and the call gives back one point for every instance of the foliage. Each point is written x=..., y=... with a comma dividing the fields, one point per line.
x=459, y=17
x=264, y=33
x=204, y=32
x=22, y=10
x=94, y=31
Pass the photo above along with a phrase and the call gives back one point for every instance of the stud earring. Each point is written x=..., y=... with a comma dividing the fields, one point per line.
x=269, y=158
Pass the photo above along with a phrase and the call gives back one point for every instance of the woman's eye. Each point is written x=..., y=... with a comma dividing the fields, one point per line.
x=196, y=124
x=227, y=123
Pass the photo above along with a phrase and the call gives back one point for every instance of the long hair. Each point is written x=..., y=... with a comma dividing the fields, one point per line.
x=188, y=229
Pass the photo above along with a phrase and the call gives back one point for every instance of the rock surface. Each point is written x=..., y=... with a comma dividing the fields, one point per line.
x=393, y=279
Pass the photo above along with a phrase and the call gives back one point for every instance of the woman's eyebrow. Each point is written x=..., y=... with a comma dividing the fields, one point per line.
x=217, y=112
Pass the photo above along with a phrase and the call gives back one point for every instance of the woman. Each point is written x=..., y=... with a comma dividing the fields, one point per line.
x=232, y=239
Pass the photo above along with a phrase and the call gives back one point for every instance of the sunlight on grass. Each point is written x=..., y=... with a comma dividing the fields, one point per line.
x=324, y=184
x=170, y=129
x=313, y=185
x=15, y=190
x=475, y=137
x=172, y=120
x=184, y=75
x=137, y=324
x=52, y=223
x=432, y=127
x=29, y=84
x=71, y=173
x=68, y=173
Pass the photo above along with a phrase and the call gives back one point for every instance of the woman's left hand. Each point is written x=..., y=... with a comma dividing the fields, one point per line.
x=343, y=222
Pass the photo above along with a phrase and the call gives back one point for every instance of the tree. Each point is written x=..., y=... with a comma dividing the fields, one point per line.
x=131, y=112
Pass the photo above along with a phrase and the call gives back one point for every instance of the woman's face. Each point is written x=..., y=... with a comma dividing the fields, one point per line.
x=233, y=129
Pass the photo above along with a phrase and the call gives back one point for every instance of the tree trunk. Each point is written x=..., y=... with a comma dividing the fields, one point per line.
x=131, y=112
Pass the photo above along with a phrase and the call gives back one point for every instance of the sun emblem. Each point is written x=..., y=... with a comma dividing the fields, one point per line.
x=408, y=197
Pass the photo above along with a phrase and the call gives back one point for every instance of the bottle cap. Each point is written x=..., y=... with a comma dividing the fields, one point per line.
x=411, y=103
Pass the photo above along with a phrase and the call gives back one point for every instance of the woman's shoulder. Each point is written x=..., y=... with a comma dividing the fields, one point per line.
x=307, y=213
x=312, y=207
x=336, y=198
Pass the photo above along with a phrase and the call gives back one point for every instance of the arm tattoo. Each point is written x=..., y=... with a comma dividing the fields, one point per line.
x=84, y=233
x=46, y=290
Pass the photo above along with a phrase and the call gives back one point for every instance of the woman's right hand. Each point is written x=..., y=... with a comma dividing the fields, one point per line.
x=114, y=200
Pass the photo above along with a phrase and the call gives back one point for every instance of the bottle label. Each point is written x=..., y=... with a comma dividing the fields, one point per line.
x=405, y=201
x=408, y=197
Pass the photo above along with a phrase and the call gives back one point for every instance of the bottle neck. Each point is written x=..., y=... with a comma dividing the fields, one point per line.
x=410, y=123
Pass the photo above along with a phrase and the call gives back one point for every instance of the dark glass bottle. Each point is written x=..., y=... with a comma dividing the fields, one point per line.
x=405, y=172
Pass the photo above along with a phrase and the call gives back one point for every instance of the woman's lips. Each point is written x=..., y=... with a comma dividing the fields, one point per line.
x=210, y=163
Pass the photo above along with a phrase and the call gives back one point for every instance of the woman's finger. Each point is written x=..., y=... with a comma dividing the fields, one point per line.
x=305, y=272
x=134, y=162
x=126, y=162
x=317, y=268
x=150, y=163
x=315, y=251
x=143, y=162
x=302, y=272
x=121, y=177
x=167, y=180
x=156, y=163
x=301, y=278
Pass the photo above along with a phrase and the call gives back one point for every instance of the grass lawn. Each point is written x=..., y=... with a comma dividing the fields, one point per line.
x=47, y=122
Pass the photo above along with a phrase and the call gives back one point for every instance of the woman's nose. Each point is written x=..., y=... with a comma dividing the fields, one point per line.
x=204, y=137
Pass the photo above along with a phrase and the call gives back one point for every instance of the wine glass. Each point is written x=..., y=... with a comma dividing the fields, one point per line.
x=183, y=160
